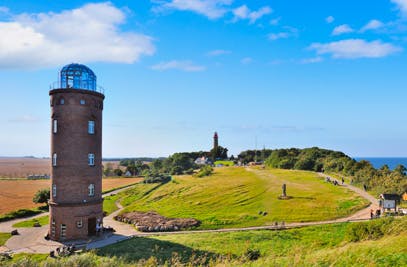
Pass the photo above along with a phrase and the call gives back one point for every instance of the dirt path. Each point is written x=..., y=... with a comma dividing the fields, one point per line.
x=363, y=214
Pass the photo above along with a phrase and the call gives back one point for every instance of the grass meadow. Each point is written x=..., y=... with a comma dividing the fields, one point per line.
x=379, y=242
x=44, y=220
x=234, y=197
x=4, y=237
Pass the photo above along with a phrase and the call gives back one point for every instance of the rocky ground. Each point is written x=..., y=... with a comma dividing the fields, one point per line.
x=154, y=222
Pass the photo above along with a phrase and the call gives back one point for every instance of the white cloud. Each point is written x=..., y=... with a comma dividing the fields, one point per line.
x=24, y=119
x=246, y=60
x=329, y=19
x=372, y=25
x=219, y=52
x=312, y=60
x=402, y=5
x=355, y=48
x=243, y=12
x=178, y=65
x=4, y=9
x=275, y=22
x=290, y=32
x=213, y=9
x=86, y=34
x=279, y=35
x=341, y=29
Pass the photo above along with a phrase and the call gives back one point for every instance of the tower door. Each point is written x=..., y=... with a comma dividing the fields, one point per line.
x=92, y=226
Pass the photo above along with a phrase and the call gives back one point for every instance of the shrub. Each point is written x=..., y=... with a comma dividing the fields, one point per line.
x=204, y=171
x=252, y=254
x=368, y=230
x=157, y=178
x=42, y=196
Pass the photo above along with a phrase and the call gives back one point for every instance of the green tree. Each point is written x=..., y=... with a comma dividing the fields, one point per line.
x=42, y=196
x=219, y=153
x=400, y=169
x=118, y=172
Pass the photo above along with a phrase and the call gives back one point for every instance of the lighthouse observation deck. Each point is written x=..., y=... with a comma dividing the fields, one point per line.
x=77, y=76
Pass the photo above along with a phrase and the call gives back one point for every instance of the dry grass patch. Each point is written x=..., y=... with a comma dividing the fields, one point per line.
x=18, y=194
x=22, y=167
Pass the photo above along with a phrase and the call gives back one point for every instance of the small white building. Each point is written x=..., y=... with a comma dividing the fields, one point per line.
x=203, y=161
x=389, y=201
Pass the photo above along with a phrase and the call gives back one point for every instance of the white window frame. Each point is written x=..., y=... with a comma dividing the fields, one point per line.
x=54, y=190
x=91, y=189
x=55, y=126
x=53, y=228
x=91, y=159
x=63, y=230
x=91, y=127
x=54, y=159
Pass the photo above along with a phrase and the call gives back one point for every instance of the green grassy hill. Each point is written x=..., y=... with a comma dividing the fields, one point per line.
x=234, y=196
x=379, y=242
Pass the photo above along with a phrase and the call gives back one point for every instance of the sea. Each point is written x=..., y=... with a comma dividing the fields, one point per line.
x=379, y=162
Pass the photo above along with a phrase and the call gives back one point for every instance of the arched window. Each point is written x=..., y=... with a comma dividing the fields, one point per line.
x=91, y=159
x=54, y=159
x=91, y=189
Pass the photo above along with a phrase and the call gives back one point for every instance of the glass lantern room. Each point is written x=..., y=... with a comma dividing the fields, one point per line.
x=78, y=76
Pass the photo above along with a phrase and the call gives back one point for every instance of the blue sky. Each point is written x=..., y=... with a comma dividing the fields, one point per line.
x=287, y=73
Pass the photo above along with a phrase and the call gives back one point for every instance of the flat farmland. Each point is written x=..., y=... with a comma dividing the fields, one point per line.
x=22, y=167
x=18, y=194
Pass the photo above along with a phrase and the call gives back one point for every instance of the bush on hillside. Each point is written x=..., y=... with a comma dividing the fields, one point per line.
x=370, y=230
x=206, y=170
x=157, y=179
x=252, y=254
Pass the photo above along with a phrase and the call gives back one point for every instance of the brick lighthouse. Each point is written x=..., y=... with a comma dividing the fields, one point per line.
x=76, y=204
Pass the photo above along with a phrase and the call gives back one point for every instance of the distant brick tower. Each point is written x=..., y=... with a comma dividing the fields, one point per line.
x=215, y=141
x=215, y=147
x=76, y=204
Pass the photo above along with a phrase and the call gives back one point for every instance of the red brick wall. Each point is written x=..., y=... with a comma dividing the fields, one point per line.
x=70, y=215
x=72, y=143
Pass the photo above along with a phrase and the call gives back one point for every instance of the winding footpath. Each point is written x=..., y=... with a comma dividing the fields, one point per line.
x=31, y=240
